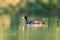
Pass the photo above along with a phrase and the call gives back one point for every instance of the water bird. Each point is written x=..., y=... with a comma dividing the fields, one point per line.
x=33, y=23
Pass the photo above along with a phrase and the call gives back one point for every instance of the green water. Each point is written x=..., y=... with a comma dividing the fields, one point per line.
x=46, y=33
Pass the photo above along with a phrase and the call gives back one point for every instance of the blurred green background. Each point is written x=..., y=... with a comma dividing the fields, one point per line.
x=11, y=22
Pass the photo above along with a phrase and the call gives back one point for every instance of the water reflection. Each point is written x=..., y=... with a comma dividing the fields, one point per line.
x=15, y=33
